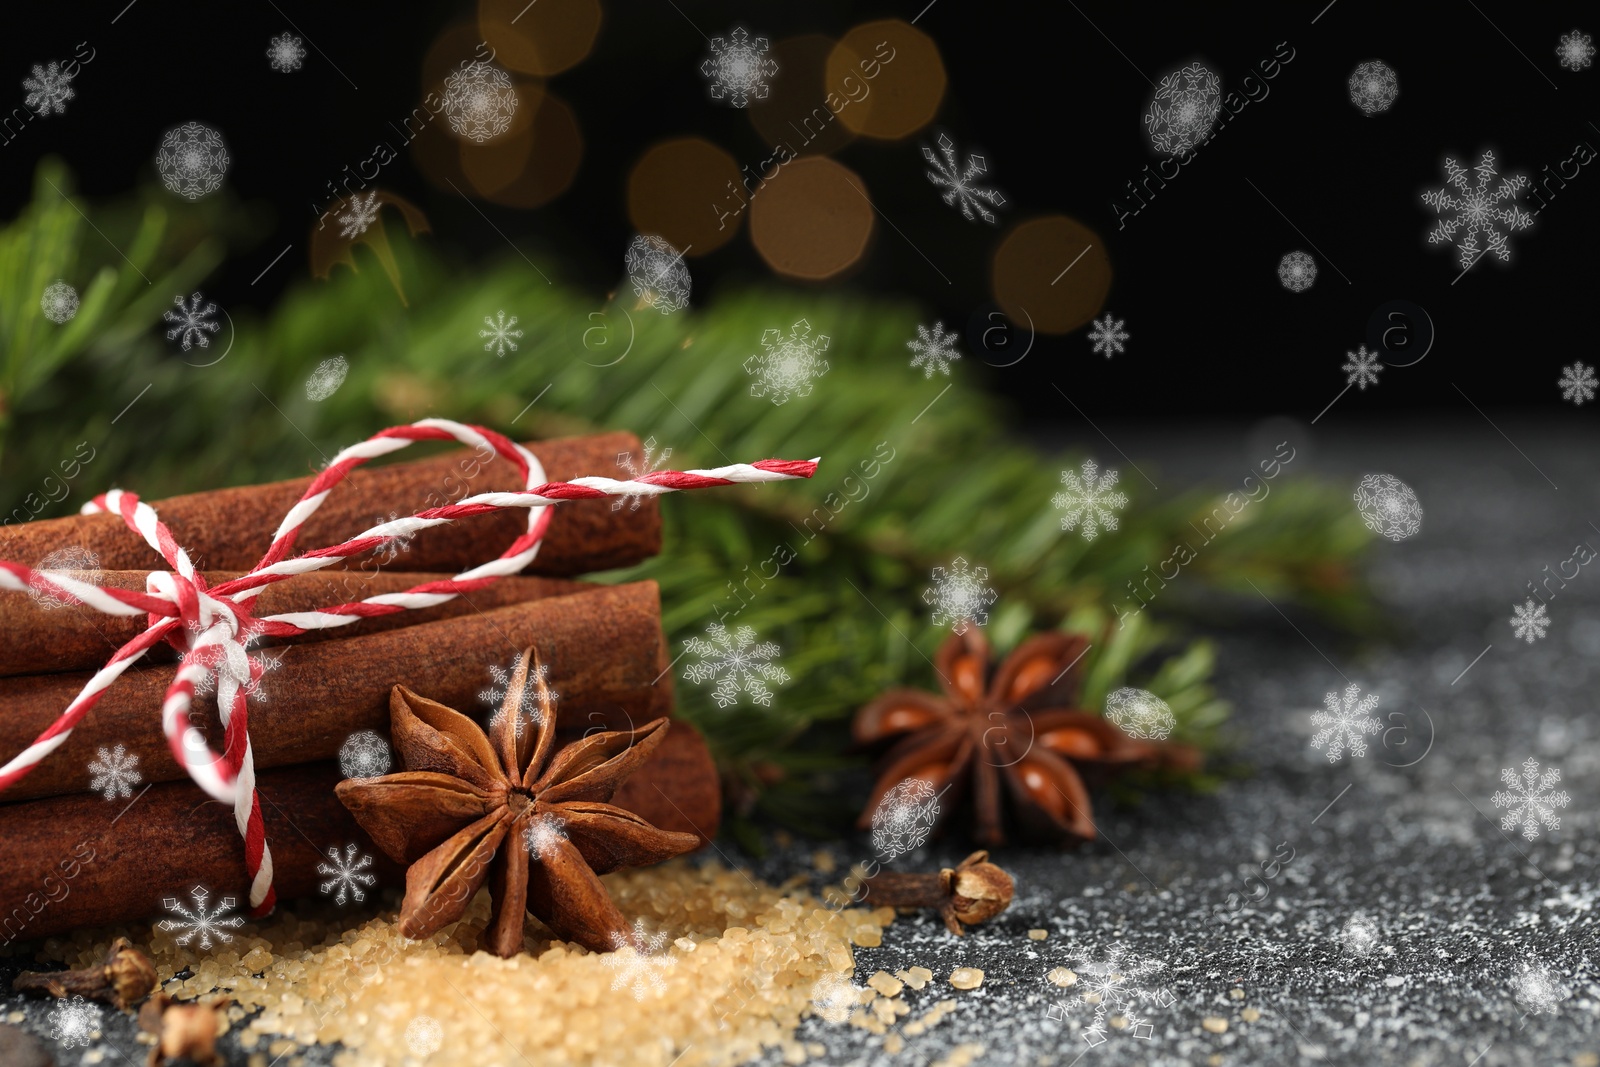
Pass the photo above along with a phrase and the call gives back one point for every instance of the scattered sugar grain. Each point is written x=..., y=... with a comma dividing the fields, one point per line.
x=1250, y=1015
x=885, y=984
x=1038, y=935
x=1214, y=1024
x=1061, y=976
x=966, y=978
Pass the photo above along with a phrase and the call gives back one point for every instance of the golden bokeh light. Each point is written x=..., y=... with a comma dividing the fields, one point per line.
x=795, y=113
x=498, y=162
x=555, y=150
x=1051, y=272
x=689, y=192
x=546, y=37
x=885, y=79
x=812, y=220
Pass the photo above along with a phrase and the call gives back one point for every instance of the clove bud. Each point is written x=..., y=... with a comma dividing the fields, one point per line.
x=183, y=1029
x=972, y=892
x=124, y=978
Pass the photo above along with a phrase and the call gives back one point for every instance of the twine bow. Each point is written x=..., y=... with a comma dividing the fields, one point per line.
x=212, y=627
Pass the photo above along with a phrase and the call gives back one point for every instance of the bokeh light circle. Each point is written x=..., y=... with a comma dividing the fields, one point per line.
x=1051, y=271
x=543, y=38
x=688, y=191
x=886, y=79
x=812, y=220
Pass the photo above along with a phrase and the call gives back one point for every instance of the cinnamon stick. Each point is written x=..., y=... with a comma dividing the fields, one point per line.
x=607, y=656
x=43, y=636
x=77, y=861
x=230, y=529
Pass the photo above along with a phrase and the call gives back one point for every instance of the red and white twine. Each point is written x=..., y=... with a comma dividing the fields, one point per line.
x=212, y=626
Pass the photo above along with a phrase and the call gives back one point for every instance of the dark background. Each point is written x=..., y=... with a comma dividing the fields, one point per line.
x=1041, y=90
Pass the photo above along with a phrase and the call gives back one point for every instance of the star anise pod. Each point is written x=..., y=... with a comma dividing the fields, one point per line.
x=1011, y=743
x=507, y=807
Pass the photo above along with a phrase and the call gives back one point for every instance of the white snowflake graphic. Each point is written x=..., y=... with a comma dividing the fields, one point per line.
x=637, y=467
x=789, y=365
x=1346, y=722
x=1109, y=336
x=74, y=1022
x=1089, y=500
x=479, y=101
x=192, y=160
x=364, y=754
x=658, y=274
x=286, y=52
x=959, y=596
x=501, y=333
x=253, y=689
x=542, y=836
x=933, y=350
x=1492, y=212
x=1528, y=799
x=1361, y=368
x=832, y=997
x=326, y=378
x=639, y=961
x=529, y=712
x=1373, y=87
x=738, y=68
x=1388, y=506
x=1576, y=50
x=904, y=818
x=1140, y=714
x=1528, y=621
x=1359, y=935
x=59, y=302
x=347, y=874
x=424, y=1035
x=1118, y=988
x=203, y=922
x=1186, y=105
x=73, y=561
x=115, y=772
x=1297, y=271
x=1537, y=988
x=191, y=322
x=738, y=664
x=50, y=88
x=358, y=215
x=1577, y=383
x=391, y=548
x=958, y=181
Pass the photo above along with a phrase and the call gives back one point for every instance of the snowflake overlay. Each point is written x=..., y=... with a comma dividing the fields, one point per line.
x=424, y=1035
x=1388, y=506
x=191, y=322
x=957, y=181
x=1359, y=935
x=1537, y=988
x=1528, y=621
x=1373, y=87
x=364, y=754
x=1297, y=271
x=1528, y=799
x=49, y=89
x=933, y=350
x=286, y=52
x=326, y=378
x=59, y=302
x=738, y=664
x=1576, y=51
x=1186, y=105
x=658, y=274
x=638, y=467
x=1089, y=500
x=904, y=818
x=115, y=773
x=74, y=561
x=1109, y=336
x=1361, y=368
x=1491, y=212
x=832, y=997
x=1140, y=714
x=347, y=874
x=739, y=68
x=1577, y=383
x=358, y=216
x=529, y=710
x=1118, y=987
x=479, y=101
x=202, y=921
x=789, y=365
x=74, y=1022
x=1345, y=723
x=391, y=547
x=500, y=332
x=639, y=961
x=959, y=597
x=543, y=836
x=192, y=160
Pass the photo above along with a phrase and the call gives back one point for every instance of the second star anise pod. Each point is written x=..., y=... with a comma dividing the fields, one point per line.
x=507, y=808
x=1003, y=744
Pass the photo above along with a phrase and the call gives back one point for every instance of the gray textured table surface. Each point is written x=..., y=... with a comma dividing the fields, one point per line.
x=1404, y=927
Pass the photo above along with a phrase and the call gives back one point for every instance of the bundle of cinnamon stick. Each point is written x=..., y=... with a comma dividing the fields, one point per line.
x=81, y=849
